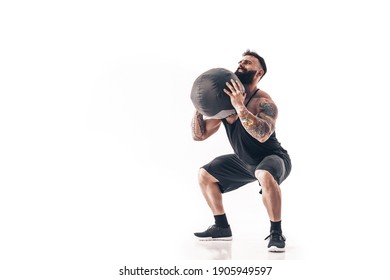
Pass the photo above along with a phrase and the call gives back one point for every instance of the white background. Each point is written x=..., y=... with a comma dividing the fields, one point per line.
x=98, y=168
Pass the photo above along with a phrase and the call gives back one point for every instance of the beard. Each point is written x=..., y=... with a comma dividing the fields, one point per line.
x=245, y=77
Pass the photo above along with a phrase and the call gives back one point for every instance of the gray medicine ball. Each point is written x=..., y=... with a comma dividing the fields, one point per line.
x=208, y=96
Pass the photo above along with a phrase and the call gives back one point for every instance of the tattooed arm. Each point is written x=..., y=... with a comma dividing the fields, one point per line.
x=203, y=128
x=262, y=125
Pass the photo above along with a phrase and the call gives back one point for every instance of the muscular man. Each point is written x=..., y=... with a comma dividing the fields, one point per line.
x=258, y=155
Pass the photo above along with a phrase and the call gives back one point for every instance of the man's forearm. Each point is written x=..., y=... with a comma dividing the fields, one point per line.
x=258, y=128
x=198, y=126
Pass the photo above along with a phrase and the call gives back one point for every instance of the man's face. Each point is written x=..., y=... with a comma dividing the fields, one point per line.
x=248, y=68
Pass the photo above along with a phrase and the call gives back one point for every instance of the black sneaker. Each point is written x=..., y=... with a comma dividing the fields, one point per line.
x=276, y=242
x=215, y=233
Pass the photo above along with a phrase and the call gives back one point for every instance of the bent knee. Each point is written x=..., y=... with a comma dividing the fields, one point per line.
x=265, y=178
x=205, y=177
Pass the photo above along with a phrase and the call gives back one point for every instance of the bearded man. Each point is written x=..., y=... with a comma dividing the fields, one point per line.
x=258, y=155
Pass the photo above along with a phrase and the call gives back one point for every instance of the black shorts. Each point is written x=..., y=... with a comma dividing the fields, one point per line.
x=232, y=173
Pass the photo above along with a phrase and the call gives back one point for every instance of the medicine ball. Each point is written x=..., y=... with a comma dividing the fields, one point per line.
x=208, y=96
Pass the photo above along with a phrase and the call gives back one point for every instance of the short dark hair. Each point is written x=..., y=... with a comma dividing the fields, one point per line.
x=259, y=58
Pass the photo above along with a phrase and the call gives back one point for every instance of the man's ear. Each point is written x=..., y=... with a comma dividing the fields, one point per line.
x=260, y=74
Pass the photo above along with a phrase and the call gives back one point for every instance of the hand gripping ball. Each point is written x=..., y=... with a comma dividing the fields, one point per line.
x=208, y=96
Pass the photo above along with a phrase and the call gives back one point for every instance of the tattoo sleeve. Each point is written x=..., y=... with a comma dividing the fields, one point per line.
x=261, y=126
x=198, y=126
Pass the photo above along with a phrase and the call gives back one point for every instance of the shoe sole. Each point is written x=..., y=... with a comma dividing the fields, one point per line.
x=215, y=239
x=276, y=249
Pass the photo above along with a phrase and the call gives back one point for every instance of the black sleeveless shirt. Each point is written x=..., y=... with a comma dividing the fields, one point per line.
x=247, y=148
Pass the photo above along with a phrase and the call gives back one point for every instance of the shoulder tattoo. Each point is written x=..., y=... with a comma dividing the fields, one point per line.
x=268, y=108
